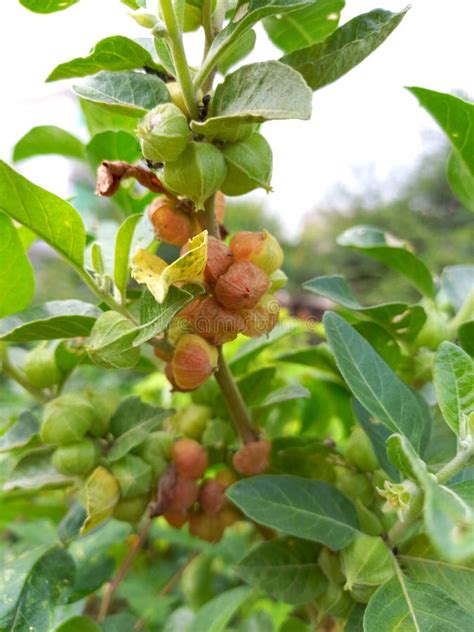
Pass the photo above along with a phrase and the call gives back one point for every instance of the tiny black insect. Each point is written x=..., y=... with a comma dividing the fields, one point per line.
x=153, y=165
x=154, y=71
x=203, y=109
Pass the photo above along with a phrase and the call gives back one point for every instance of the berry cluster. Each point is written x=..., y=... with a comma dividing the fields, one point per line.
x=238, y=293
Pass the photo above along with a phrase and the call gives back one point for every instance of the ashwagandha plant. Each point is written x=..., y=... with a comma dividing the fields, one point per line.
x=316, y=476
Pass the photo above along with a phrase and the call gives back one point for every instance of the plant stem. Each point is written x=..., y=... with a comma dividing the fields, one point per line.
x=179, y=56
x=12, y=372
x=234, y=400
x=207, y=25
x=123, y=570
x=455, y=465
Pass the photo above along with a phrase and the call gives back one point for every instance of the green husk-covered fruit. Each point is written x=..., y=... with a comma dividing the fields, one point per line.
x=197, y=174
x=66, y=419
x=164, y=133
x=76, y=459
x=131, y=509
x=360, y=452
x=134, y=476
x=40, y=367
x=249, y=166
x=191, y=421
x=104, y=405
x=156, y=451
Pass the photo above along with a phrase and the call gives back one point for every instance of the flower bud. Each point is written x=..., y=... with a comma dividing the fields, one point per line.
x=76, y=459
x=156, y=451
x=249, y=165
x=253, y=458
x=175, y=519
x=207, y=527
x=131, y=509
x=260, y=248
x=359, y=451
x=189, y=457
x=66, y=419
x=262, y=318
x=212, y=498
x=278, y=280
x=133, y=474
x=169, y=223
x=242, y=286
x=40, y=367
x=193, y=362
x=143, y=18
x=191, y=421
x=215, y=323
x=164, y=133
x=197, y=174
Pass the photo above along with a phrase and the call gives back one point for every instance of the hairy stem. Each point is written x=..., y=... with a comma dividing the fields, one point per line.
x=455, y=465
x=207, y=25
x=179, y=56
x=126, y=565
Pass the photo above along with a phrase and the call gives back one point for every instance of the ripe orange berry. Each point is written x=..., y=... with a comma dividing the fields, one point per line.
x=215, y=323
x=212, y=499
x=262, y=318
x=242, y=286
x=207, y=527
x=261, y=248
x=175, y=519
x=185, y=494
x=194, y=361
x=253, y=458
x=170, y=224
x=190, y=458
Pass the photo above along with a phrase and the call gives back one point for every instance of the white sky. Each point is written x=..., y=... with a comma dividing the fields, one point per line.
x=365, y=122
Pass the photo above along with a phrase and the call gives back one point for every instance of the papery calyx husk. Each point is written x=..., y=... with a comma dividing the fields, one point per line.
x=249, y=165
x=164, y=133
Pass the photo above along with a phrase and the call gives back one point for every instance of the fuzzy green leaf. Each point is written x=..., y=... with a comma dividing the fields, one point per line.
x=311, y=510
x=136, y=435
x=461, y=181
x=79, y=624
x=50, y=217
x=113, y=146
x=123, y=243
x=47, y=6
x=35, y=471
x=453, y=374
x=21, y=433
x=457, y=284
x=111, y=342
x=48, y=139
x=216, y=614
x=323, y=63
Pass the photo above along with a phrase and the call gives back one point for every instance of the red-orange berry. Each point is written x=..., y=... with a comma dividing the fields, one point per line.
x=262, y=318
x=194, y=361
x=215, y=323
x=189, y=457
x=170, y=224
x=242, y=286
x=261, y=248
x=212, y=499
x=207, y=527
x=175, y=519
x=253, y=458
x=185, y=494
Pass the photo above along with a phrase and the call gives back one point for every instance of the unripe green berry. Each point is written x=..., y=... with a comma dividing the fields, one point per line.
x=191, y=421
x=76, y=459
x=66, y=419
x=131, y=509
x=249, y=166
x=197, y=174
x=164, y=133
x=360, y=452
x=354, y=485
x=156, y=451
x=104, y=405
x=133, y=474
x=40, y=367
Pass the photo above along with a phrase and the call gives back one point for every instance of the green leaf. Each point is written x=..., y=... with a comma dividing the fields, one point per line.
x=453, y=374
x=102, y=493
x=461, y=181
x=251, y=349
x=466, y=337
x=216, y=614
x=323, y=63
x=366, y=562
x=49, y=321
x=449, y=522
x=401, y=454
x=256, y=93
x=129, y=413
x=35, y=471
x=155, y=317
x=31, y=586
x=123, y=243
x=387, y=249
x=136, y=435
x=112, y=53
x=456, y=118
x=457, y=284
x=423, y=565
x=47, y=6
x=126, y=93
x=111, y=342
x=307, y=509
x=414, y=607
x=283, y=394
x=78, y=624
x=287, y=569
x=21, y=433
x=48, y=139
x=17, y=281
x=375, y=385
x=100, y=118
x=298, y=29
x=239, y=49
x=51, y=218
x=113, y=146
